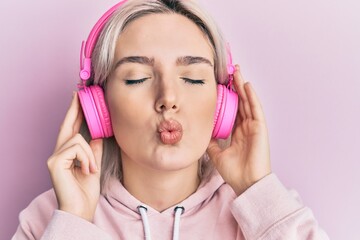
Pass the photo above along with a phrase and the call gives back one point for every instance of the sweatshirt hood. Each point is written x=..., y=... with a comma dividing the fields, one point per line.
x=121, y=200
x=132, y=209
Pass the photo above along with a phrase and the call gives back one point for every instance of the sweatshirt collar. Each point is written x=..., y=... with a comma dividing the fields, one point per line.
x=121, y=200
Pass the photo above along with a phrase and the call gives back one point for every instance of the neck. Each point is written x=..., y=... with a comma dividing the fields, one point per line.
x=159, y=189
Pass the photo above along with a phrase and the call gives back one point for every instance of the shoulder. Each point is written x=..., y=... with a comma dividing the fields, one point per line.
x=36, y=216
x=43, y=204
x=219, y=189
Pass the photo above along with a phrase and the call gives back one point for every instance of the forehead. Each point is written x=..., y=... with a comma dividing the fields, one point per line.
x=165, y=35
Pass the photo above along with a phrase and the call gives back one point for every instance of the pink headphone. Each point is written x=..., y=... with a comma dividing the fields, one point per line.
x=94, y=106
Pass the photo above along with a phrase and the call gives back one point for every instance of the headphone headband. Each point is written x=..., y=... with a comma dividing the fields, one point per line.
x=93, y=101
x=85, y=54
x=87, y=47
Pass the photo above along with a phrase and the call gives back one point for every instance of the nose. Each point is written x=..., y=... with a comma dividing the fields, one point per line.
x=167, y=98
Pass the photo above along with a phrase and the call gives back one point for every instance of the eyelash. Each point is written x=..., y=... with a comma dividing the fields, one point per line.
x=187, y=80
x=193, y=81
x=133, y=82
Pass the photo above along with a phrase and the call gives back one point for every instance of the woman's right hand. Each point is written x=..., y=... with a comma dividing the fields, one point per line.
x=75, y=166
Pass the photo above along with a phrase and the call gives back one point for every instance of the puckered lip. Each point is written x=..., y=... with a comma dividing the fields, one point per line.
x=170, y=125
x=170, y=131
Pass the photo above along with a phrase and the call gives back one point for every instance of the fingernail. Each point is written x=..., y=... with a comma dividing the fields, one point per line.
x=73, y=94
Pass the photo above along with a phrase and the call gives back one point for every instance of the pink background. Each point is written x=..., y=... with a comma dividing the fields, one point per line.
x=303, y=57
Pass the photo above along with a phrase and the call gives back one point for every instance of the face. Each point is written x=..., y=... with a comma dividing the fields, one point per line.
x=162, y=92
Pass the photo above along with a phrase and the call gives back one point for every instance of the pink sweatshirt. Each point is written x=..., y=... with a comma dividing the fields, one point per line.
x=267, y=210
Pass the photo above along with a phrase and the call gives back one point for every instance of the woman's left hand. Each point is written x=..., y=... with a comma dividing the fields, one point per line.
x=247, y=159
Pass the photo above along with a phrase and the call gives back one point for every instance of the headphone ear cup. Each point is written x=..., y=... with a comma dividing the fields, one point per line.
x=102, y=110
x=220, y=96
x=225, y=114
x=95, y=111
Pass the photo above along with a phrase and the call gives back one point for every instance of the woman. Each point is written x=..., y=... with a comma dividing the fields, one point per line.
x=163, y=174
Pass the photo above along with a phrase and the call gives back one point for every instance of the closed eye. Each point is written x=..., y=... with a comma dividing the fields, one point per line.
x=193, y=81
x=135, y=81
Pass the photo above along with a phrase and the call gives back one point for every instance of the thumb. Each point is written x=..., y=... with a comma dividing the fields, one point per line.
x=214, y=150
x=97, y=148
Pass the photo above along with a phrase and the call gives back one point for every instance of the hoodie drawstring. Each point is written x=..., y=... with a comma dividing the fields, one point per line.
x=179, y=210
x=145, y=221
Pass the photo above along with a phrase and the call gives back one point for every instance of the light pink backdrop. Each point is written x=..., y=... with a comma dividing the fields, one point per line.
x=303, y=57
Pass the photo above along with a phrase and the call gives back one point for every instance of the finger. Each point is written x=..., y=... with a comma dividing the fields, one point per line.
x=71, y=123
x=78, y=121
x=213, y=149
x=239, y=86
x=69, y=158
x=79, y=139
x=242, y=110
x=82, y=158
x=256, y=108
x=97, y=148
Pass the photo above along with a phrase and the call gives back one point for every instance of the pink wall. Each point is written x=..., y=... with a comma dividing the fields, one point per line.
x=303, y=58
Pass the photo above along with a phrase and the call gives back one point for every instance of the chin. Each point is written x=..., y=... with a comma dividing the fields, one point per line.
x=172, y=159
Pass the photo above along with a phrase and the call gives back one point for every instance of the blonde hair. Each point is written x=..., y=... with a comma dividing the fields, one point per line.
x=103, y=63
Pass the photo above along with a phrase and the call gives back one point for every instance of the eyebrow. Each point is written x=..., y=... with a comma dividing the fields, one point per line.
x=136, y=59
x=188, y=60
x=180, y=61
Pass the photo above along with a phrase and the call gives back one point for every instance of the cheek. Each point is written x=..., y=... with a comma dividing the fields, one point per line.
x=124, y=111
x=201, y=123
x=128, y=120
x=203, y=111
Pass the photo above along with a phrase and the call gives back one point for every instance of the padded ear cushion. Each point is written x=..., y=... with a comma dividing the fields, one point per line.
x=102, y=110
x=218, y=102
x=220, y=95
x=225, y=113
x=90, y=113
